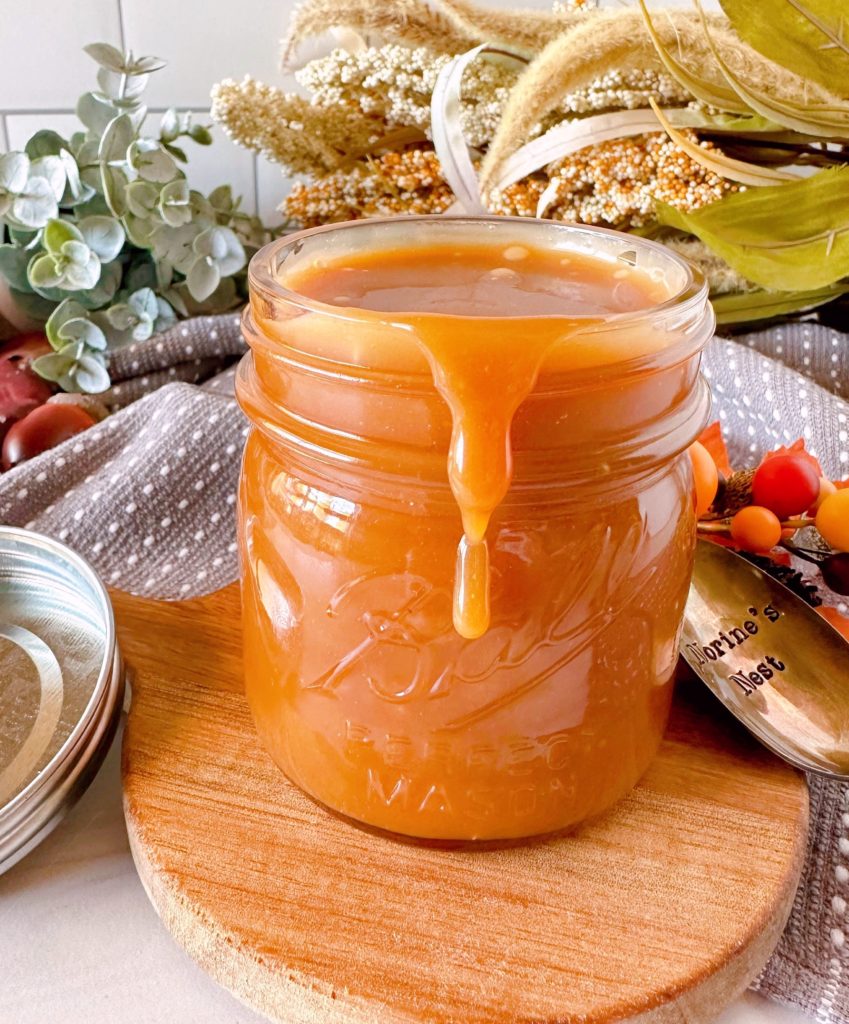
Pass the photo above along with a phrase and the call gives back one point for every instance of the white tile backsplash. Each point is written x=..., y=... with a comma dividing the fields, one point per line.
x=20, y=127
x=272, y=187
x=42, y=65
x=205, y=41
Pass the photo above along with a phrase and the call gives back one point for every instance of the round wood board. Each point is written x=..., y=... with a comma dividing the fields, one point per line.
x=662, y=911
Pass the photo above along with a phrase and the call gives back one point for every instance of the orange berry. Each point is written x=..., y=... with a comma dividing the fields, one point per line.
x=705, y=477
x=755, y=528
x=826, y=488
x=833, y=520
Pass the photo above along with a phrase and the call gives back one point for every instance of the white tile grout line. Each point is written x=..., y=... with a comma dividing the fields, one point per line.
x=51, y=111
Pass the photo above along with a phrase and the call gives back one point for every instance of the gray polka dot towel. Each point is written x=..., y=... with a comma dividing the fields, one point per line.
x=148, y=497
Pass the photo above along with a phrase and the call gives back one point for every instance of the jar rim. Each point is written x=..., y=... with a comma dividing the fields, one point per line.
x=688, y=298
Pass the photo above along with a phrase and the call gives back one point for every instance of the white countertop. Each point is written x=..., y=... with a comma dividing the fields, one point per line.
x=81, y=944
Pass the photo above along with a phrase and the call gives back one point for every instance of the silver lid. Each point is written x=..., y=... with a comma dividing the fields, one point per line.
x=61, y=685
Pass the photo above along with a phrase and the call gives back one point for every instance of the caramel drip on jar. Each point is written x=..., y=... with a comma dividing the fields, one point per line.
x=484, y=369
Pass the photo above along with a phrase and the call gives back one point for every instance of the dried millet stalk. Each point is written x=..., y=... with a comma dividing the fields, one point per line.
x=394, y=83
x=618, y=183
x=613, y=184
x=288, y=129
x=395, y=183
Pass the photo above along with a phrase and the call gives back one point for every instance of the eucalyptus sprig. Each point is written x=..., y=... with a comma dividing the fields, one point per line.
x=102, y=237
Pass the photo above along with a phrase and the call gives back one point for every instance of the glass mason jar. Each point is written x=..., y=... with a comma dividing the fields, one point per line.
x=361, y=689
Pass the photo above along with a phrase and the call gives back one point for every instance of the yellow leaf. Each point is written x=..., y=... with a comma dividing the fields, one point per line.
x=810, y=37
x=792, y=237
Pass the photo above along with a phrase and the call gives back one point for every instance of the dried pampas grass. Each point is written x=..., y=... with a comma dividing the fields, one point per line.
x=620, y=40
x=525, y=32
x=399, y=21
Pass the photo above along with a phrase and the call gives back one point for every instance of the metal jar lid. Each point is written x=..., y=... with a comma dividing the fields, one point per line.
x=61, y=685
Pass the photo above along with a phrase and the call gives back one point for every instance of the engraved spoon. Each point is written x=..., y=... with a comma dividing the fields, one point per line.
x=776, y=664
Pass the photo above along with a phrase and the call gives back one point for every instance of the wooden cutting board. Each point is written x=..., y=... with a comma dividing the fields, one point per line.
x=663, y=911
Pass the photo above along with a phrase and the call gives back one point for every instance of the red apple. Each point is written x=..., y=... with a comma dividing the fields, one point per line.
x=21, y=391
x=41, y=429
x=25, y=347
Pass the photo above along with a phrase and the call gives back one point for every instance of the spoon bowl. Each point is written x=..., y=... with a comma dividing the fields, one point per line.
x=776, y=664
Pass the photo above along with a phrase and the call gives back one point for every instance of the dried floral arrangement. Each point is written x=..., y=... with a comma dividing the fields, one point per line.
x=101, y=237
x=724, y=135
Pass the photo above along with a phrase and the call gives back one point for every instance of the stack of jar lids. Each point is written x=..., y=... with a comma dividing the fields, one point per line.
x=61, y=685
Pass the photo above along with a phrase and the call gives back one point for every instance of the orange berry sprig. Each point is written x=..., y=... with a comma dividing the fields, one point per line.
x=788, y=494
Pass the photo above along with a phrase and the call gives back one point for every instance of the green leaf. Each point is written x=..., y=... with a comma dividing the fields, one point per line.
x=151, y=161
x=103, y=235
x=43, y=272
x=45, y=143
x=104, y=291
x=121, y=316
x=145, y=65
x=200, y=134
x=223, y=247
x=13, y=266
x=25, y=238
x=14, y=172
x=745, y=307
x=806, y=36
x=809, y=118
x=83, y=270
x=174, y=203
x=203, y=277
x=224, y=297
x=67, y=310
x=174, y=245
x=792, y=237
x=54, y=365
x=107, y=56
x=32, y=304
x=140, y=230
x=177, y=299
x=203, y=212
x=176, y=151
x=96, y=112
x=94, y=205
x=57, y=232
x=91, y=375
x=165, y=316
x=169, y=126
x=128, y=90
x=144, y=303
x=114, y=189
x=35, y=206
x=52, y=170
x=117, y=140
x=221, y=199
x=80, y=330
x=76, y=192
x=142, y=197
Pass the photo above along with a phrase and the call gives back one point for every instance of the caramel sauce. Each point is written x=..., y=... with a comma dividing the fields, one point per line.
x=486, y=319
